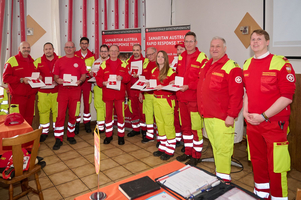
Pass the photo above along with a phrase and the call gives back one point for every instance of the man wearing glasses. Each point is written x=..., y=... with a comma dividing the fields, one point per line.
x=189, y=65
x=88, y=56
x=68, y=96
x=98, y=102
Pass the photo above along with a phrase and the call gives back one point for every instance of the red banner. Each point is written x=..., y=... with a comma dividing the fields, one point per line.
x=165, y=38
x=124, y=39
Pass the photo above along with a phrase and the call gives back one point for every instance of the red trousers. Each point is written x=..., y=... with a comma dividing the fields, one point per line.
x=177, y=122
x=86, y=90
x=68, y=97
x=26, y=106
x=118, y=106
x=138, y=118
x=270, y=158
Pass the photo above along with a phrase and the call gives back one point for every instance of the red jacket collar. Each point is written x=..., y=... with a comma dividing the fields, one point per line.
x=45, y=59
x=21, y=56
x=195, y=54
x=132, y=58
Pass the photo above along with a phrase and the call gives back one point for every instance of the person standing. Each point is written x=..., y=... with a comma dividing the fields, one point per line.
x=220, y=94
x=68, y=96
x=88, y=56
x=3, y=101
x=138, y=118
x=47, y=98
x=114, y=99
x=16, y=69
x=270, y=85
x=98, y=98
x=189, y=65
x=164, y=103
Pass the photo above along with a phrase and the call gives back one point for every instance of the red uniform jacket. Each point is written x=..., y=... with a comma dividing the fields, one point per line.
x=89, y=60
x=103, y=75
x=133, y=93
x=220, y=89
x=170, y=77
x=15, y=68
x=190, y=74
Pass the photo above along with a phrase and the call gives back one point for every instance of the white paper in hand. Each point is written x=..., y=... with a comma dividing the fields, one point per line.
x=113, y=83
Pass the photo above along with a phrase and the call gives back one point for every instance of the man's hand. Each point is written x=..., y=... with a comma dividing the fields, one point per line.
x=60, y=81
x=25, y=80
x=159, y=87
x=229, y=121
x=78, y=82
x=172, y=82
x=91, y=73
x=250, y=118
x=135, y=75
x=105, y=83
x=119, y=78
x=184, y=88
x=141, y=97
x=40, y=77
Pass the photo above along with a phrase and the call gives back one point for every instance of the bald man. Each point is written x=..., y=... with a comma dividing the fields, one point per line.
x=15, y=70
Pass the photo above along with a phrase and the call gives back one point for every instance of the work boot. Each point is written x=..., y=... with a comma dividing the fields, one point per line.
x=158, y=144
x=143, y=134
x=183, y=149
x=87, y=127
x=43, y=137
x=71, y=140
x=107, y=140
x=158, y=153
x=165, y=156
x=76, y=131
x=133, y=133
x=58, y=144
x=183, y=157
x=192, y=161
x=120, y=140
x=146, y=140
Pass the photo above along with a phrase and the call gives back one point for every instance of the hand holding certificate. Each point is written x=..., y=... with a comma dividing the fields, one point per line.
x=113, y=83
x=176, y=86
x=69, y=80
x=34, y=80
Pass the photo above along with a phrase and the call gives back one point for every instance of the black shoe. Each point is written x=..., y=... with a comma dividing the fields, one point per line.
x=133, y=133
x=107, y=140
x=87, y=127
x=42, y=163
x=40, y=158
x=71, y=140
x=183, y=149
x=158, y=144
x=57, y=145
x=43, y=137
x=143, y=134
x=178, y=144
x=158, y=153
x=120, y=140
x=192, y=161
x=165, y=156
x=145, y=140
x=76, y=131
x=183, y=157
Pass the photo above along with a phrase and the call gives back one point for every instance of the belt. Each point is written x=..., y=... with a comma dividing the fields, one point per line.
x=164, y=96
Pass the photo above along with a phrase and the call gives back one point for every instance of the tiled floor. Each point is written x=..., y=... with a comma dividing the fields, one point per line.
x=70, y=171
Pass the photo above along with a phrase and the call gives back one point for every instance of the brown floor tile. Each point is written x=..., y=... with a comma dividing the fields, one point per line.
x=45, y=152
x=86, y=136
x=84, y=170
x=291, y=195
x=113, y=152
x=91, y=141
x=120, y=179
x=239, y=175
x=208, y=164
x=17, y=190
x=293, y=184
x=49, y=194
x=76, y=162
x=140, y=154
x=248, y=180
x=124, y=158
x=91, y=180
x=55, y=168
x=117, y=173
x=68, y=155
x=44, y=182
x=106, y=146
x=151, y=149
x=90, y=158
x=51, y=159
x=152, y=161
x=243, y=185
x=128, y=147
x=64, y=148
x=136, y=166
x=71, y=188
x=101, y=186
x=238, y=154
x=86, y=150
x=80, y=144
x=294, y=174
x=108, y=164
x=77, y=195
x=43, y=146
x=62, y=177
x=145, y=145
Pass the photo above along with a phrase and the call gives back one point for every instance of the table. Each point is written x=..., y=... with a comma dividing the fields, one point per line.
x=113, y=192
x=10, y=131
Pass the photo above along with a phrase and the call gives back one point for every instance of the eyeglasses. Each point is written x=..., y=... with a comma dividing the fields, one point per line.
x=69, y=47
x=150, y=54
x=191, y=41
x=114, y=51
x=103, y=51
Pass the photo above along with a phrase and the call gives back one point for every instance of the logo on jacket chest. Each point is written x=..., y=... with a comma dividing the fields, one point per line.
x=75, y=65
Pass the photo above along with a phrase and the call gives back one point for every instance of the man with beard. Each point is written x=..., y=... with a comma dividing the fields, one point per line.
x=47, y=98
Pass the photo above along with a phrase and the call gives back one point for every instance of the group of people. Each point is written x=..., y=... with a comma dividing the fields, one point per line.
x=212, y=94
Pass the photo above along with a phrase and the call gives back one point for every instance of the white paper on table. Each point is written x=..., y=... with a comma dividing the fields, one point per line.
x=113, y=83
x=136, y=66
x=162, y=195
x=174, y=62
x=140, y=84
x=34, y=80
x=69, y=80
x=92, y=80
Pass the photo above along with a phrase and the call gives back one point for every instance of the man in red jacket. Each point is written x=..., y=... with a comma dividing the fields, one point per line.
x=189, y=65
x=220, y=93
x=113, y=98
x=68, y=96
x=85, y=54
x=270, y=85
x=47, y=98
x=138, y=118
x=16, y=69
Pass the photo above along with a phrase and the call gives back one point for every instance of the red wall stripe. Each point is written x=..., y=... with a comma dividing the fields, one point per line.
x=126, y=14
x=11, y=29
x=70, y=19
x=96, y=9
x=85, y=18
x=2, y=10
x=116, y=15
x=105, y=15
x=22, y=20
x=136, y=14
